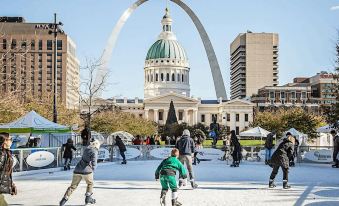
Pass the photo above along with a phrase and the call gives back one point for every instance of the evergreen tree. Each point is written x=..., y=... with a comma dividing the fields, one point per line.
x=171, y=117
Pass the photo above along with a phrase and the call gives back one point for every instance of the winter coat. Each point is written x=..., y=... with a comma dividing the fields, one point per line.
x=68, y=150
x=85, y=136
x=269, y=142
x=169, y=167
x=6, y=182
x=152, y=141
x=236, y=154
x=88, y=162
x=120, y=144
x=282, y=154
x=336, y=142
x=185, y=145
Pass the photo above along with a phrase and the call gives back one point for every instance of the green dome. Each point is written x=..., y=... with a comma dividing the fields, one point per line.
x=164, y=48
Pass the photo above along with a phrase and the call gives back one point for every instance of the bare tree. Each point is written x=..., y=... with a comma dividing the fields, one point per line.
x=89, y=90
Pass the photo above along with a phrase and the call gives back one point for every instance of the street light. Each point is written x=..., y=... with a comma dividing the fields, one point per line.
x=55, y=30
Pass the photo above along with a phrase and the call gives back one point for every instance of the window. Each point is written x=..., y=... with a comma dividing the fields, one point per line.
x=4, y=44
x=173, y=78
x=246, y=117
x=33, y=44
x=237, y=117
x=182, y=78
x=13, y=45
x=180, y=115
x=49, y=44
x=228, y=117
x=214, y=117
x=303, y=95
x=147, y=78
x=161, y=116
x=228, y=129
x=24, y=44
x=162, y=77
x=156, y=77
x=282, y=95
x=59, y=44
x=151, y=77
x=293, y=95
x=202, y=118
x=167, y=77
x=272, y=95
x=178, y=78
x=40, y=44
x=237, y=130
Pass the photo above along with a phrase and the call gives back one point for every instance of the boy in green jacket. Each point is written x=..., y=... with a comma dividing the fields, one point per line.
x=167, y=172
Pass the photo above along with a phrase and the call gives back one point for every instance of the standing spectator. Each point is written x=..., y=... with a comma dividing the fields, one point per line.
x=148, y=140
x=214, y=132
x=168, y=140
x=137, y=140
x=67, y=150
x=157, y=139
x=173, y=140
x=6, y=164
x=85, y=136
x=186, y=148
x=280, y=158
x=84, y=170
x=268, y=147
x=122, y=149
x=335, y=149
x=236, y=154
x=152, y=140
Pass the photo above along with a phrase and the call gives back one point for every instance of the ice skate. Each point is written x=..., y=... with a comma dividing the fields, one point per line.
x=336, y=165
x=286, y=185
x=65, y=168
x=89, y=200
x=124, y=162
x=182, y=182
x=271, y=184
x=63, y=202
x=163, y=198
x=193, y=184
x=175, y=202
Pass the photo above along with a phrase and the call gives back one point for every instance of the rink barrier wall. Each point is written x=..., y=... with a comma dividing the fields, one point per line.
x=144, y=152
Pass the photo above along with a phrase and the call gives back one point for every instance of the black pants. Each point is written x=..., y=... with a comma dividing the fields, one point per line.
x=275, y=172
x=68, y=161
x=123, y=156
x=335, y=153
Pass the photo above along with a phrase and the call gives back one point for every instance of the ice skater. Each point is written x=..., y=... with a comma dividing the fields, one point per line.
x=122, y=149
x=84, y=170
x=236, y=154
x=335, y=148
x=166, y=171
x=280, y=158
x=67, y=149
x=186, y=148
x=268, y=147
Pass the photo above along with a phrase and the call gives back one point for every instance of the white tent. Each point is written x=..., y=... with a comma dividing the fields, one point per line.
x=126, y=137
x=255, y=132
x=325, y=129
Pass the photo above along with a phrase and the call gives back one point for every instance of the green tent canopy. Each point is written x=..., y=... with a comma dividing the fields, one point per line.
x=32, y=122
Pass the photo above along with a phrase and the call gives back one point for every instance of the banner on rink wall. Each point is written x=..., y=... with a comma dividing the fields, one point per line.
x=40, y=159
x=161, y=153
x=210, y=154
x=321, y=156
x=131, y=153
x=103, y=154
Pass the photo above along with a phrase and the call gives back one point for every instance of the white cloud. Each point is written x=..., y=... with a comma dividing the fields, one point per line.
x=335, y=8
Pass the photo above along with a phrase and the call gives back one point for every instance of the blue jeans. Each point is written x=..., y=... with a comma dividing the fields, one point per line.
x=268, y=154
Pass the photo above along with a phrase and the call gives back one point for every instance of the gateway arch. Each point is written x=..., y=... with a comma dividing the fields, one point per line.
x=214, y=65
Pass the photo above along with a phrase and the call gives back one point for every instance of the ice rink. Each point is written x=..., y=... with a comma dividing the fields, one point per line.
x=219, y=185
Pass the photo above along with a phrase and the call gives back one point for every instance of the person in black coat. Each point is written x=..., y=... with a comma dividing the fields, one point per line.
x=236, y=154
x=6, y=168
x=67, y=149
x=85, y=136
x=295, y=152
x=280, y=158
x=268, y=147
x=122, y=148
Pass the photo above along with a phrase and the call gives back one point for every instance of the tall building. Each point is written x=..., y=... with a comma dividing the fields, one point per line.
x=27, y=58
x=254, y=63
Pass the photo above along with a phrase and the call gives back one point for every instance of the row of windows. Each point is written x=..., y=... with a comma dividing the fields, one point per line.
x=24, y=44
x=180, y=78
x=294, y=95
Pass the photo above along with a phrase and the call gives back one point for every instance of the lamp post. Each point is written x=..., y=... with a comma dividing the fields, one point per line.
x=55, y=29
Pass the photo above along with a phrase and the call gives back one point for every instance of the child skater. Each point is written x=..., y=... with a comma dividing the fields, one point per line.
x=166, y=171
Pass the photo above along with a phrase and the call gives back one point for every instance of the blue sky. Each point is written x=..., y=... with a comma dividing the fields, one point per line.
x=307, y=31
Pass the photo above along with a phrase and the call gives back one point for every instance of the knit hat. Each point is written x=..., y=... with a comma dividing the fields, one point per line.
x=186, y=132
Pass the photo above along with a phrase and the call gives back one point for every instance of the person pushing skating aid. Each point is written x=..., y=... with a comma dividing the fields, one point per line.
x=166, y=171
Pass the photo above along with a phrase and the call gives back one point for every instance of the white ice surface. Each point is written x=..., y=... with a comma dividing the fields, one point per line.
x=219, y=185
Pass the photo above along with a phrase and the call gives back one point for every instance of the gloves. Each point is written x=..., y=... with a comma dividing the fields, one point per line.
x=14, y=190
x=182, y=182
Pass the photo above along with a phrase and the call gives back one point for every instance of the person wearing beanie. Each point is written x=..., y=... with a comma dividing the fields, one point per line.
x=67, y=150
x=84, y=170
x=166, y=172
x=186, y=147
x=122, y=149
x=6, y=164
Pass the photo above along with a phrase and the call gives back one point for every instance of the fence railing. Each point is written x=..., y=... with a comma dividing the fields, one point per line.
x=27, y=159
